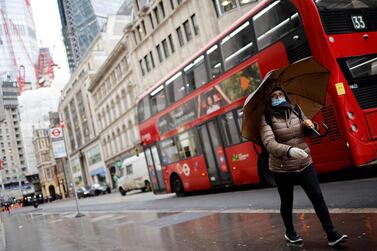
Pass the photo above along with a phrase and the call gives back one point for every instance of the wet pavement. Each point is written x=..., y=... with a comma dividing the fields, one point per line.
x=180, y=231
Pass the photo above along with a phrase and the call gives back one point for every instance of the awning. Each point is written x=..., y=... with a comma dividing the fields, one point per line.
x=99, y=171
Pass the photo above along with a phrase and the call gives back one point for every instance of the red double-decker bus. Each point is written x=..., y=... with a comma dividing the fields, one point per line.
x=190, y=121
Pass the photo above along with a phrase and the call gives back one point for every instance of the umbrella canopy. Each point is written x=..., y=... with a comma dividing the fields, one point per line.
x=306, y=84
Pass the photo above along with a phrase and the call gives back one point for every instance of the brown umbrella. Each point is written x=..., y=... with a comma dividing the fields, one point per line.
x=305, y=82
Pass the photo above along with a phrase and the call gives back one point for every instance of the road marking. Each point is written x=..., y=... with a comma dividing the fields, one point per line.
x=103, y=217
x=110, y=214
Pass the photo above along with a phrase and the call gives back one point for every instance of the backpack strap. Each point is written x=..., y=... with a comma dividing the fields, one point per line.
x=298, y=112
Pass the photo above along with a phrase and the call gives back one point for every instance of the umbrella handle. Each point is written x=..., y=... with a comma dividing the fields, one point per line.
x=318, y=133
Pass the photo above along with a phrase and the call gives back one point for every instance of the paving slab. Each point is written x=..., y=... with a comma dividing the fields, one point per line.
x=181, y=231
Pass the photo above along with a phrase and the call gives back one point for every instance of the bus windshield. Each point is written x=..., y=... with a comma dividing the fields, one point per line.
x=345, y=4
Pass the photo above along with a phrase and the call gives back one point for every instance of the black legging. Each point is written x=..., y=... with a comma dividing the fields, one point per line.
x=308, y=180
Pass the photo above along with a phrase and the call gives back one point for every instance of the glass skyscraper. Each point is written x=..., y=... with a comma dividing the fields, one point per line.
x=18, y=42
x=81, y=21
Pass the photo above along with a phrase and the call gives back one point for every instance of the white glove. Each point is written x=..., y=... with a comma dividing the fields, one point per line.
x=297, y=153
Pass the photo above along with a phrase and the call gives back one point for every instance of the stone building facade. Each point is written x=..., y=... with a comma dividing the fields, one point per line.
x=76, y=108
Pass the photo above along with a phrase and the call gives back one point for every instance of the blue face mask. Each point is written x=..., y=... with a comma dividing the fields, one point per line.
x=277, y=101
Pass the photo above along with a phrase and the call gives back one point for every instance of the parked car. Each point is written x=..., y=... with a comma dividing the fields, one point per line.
x=83, y=192
x=100, y=188
x=134, y=175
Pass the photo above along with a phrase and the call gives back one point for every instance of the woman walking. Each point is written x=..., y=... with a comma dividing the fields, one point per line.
x=282, y=133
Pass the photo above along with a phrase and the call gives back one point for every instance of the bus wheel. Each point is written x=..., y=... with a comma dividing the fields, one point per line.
x=178, y=186
x=122, y=192
x=264, y=172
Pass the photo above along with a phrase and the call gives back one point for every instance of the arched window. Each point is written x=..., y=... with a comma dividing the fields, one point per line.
x=109, y=116
x=119, y=139
x=131, y=132
x=109, y=146
x=125, y=136
x=114, y=142
x=118, y=105
x=124, y=100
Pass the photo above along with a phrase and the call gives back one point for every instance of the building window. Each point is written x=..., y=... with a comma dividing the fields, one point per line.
x=155, y=10
x=146, y=60
x=152, y=60
x=187, y=29
x=159, y=53
x=143, y=27
x=133, y=32
x=151, y=20
x=223, y=6
x=141, y=67
x=161, y=4
x=180, y=36
x=171, y=43
x=172, y=4
x=165, y=48
x=195, y=24
x=179, y=2
x=139, y=32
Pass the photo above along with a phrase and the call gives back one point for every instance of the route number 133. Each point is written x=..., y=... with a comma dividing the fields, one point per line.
x=358, y=22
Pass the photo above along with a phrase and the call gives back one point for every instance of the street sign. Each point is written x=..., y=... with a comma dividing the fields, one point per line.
x=56, y=133
x=57, y=141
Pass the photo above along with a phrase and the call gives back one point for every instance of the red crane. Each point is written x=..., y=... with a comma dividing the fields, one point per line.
x=45, y=67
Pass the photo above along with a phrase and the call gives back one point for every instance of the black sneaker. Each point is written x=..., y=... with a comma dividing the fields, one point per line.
x=335, y=238
x=293, y=237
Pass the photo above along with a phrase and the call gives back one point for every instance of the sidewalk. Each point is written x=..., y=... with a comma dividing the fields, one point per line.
x=2, y=233
x=194, y=231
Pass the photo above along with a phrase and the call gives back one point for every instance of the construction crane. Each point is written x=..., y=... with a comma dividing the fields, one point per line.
x=45, y=69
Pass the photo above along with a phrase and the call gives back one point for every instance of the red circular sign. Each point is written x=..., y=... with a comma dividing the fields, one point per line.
x=55, y=132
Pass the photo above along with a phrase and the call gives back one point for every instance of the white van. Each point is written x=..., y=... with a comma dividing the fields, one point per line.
x=134, y=175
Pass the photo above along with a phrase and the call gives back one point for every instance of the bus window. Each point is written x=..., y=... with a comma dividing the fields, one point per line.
x=195, y=74
x=175, y=88
x=158, y=100
x=214, y=61
x=188, y=145
x=345, y=4
x=169, y=152
x=231, y=89
x=238, y=46
x=229, y=126
x=144, y=109
x=275, y=21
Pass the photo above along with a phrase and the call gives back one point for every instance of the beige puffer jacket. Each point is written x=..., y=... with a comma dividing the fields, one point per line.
x=287, y=131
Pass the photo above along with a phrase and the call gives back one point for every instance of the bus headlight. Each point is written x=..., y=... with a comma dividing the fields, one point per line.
x=350, y=115
x=354, y=128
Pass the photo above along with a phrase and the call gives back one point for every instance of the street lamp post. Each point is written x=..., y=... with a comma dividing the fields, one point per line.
x=58, y=136
x=79, y=214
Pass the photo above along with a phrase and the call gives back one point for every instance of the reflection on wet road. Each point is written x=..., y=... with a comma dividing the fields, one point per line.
x=179, y=231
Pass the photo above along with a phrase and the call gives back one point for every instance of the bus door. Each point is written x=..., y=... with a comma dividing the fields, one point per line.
x=154, y=169
x=214, y=152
